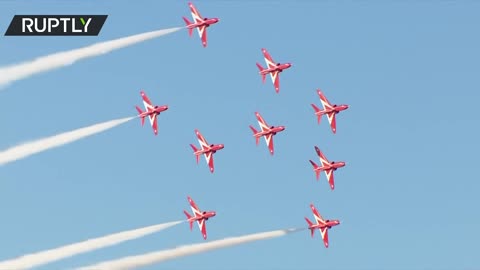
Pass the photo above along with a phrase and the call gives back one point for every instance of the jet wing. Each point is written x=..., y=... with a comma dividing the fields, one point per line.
x=324, y=233
x=317, y=215
x=202, y=30
x=319, y=219
x=146, y=101
x=209, y=159
x=196, y=211
x=205, y=146
x=149, y=107
x=203, y=142
x=202, y=225
x=322, y=157
x=275, y=75
x=269, y=141
x=268, y=59
x=330, y=178
x=195, y=14
x=261, y=122
x=153, y=122
x=332, y=120
x=326, y=104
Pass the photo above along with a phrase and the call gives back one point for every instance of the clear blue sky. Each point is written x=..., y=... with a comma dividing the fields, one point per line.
x=407, y=199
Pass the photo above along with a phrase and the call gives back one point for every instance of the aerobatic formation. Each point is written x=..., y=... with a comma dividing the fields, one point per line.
x=273, y=69
x=266, y=131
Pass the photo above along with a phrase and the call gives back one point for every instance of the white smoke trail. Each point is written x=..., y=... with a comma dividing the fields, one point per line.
x=30, y=148
x=16, y=72
x=48, y=256
x=164, y=255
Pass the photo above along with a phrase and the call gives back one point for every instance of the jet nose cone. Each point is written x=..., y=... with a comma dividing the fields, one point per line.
x=214, y=213
x=216, y=20
x=289, y=64
x=221, y=146
x=282, y=127
x=342, y=164
x=165, y=107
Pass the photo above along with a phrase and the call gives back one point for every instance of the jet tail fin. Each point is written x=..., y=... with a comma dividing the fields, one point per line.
x=261, y=69
x=255, y=132
x=139, y=110
x=188, y=217
x=315, y=168
x=312, y=231
x=187, y=22
x=318, y=112
x=195, y=150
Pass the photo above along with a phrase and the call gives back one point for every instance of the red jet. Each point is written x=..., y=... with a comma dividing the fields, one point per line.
x=273, y=69
x=267, y=132
x=322, y=225
x=328, y=109
x=207, y=150
x=327, y=166
x=200, y=24
x=199, y=216
x=151, y=111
